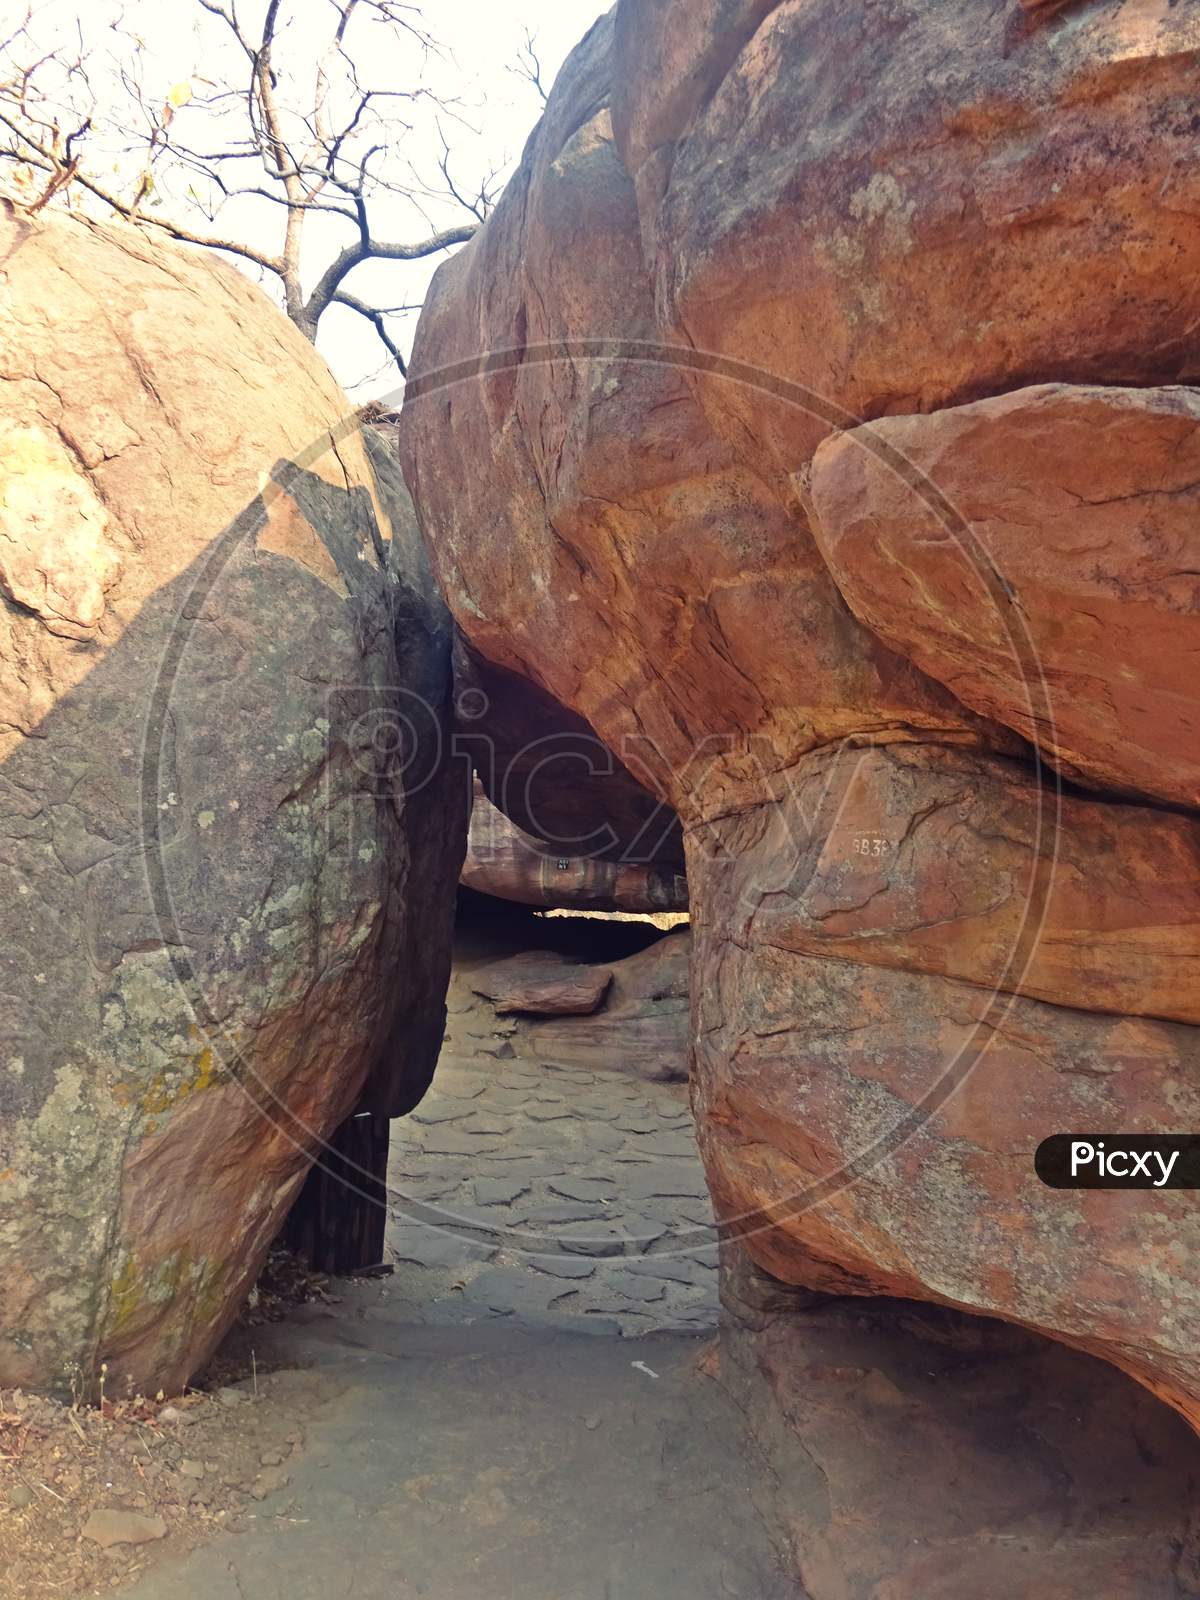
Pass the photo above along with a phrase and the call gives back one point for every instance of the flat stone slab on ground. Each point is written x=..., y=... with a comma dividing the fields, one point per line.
x=583, y=1188
x=675, y=1269
x=674, y=1146
x=432, y=1111
x=560, y=1211
x=563, y=1266
x=633, y=1287
x=436, y=1247
x=489, y=1127
x=524, y=1294
x=542, y=983
x=536, y=1155
x=664, y=1180
x=646, y=1125
x=643, y=1231
x=498, y=1191
x=597, y=1239
x=440, y=1143
x=597, y=1111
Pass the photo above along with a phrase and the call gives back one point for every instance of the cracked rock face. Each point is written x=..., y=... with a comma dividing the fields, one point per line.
x=850, y=640
x=226, y=907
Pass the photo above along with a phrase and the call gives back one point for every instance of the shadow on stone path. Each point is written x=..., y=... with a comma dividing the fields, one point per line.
x=518, y=1411
x=491, y=1461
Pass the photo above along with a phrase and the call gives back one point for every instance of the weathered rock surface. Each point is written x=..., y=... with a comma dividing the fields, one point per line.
x=112, y=1527
x=211, y=864
x=412, y=735
x=544, y=982
x=604, y=542
x=945, y=861
x=643, y=1027
x=904, y=209
x=503, y=861
x=547, y=770
x=1050, y=579
x=869, y=205
x=642, y=1024
x=917, y=1452
x=872, y=1131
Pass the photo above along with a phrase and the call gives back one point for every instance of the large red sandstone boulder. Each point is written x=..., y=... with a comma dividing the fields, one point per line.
x=895, y=210
x=1037, y=553
x=226, y=889
x=898, y=210
x=589, y=528
x=871, y=1130
x=917, y=1454
x=948, y=862
x=547, y=770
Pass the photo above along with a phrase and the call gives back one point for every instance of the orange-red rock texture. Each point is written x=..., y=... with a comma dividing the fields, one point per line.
x=814, y=417
x=505, y=862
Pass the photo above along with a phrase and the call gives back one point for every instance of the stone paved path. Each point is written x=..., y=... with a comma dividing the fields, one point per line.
x=497, y=1463
x=549, y=1195
x=455, y=1438
x=525, y=1190
x=472, y=1444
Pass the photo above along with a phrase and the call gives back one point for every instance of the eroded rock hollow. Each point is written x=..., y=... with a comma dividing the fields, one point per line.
x=813, y=418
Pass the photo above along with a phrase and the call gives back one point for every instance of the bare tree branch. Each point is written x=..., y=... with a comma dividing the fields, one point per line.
x=367, y=249
x=176, y=231
x=326, y=140
x=528, y=66
x=375, y=317
x=483, y=201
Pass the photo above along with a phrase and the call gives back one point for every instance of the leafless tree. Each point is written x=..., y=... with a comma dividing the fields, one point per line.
x=308, y=131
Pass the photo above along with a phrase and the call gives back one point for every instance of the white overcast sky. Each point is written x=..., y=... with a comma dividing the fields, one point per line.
x=481, y=40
